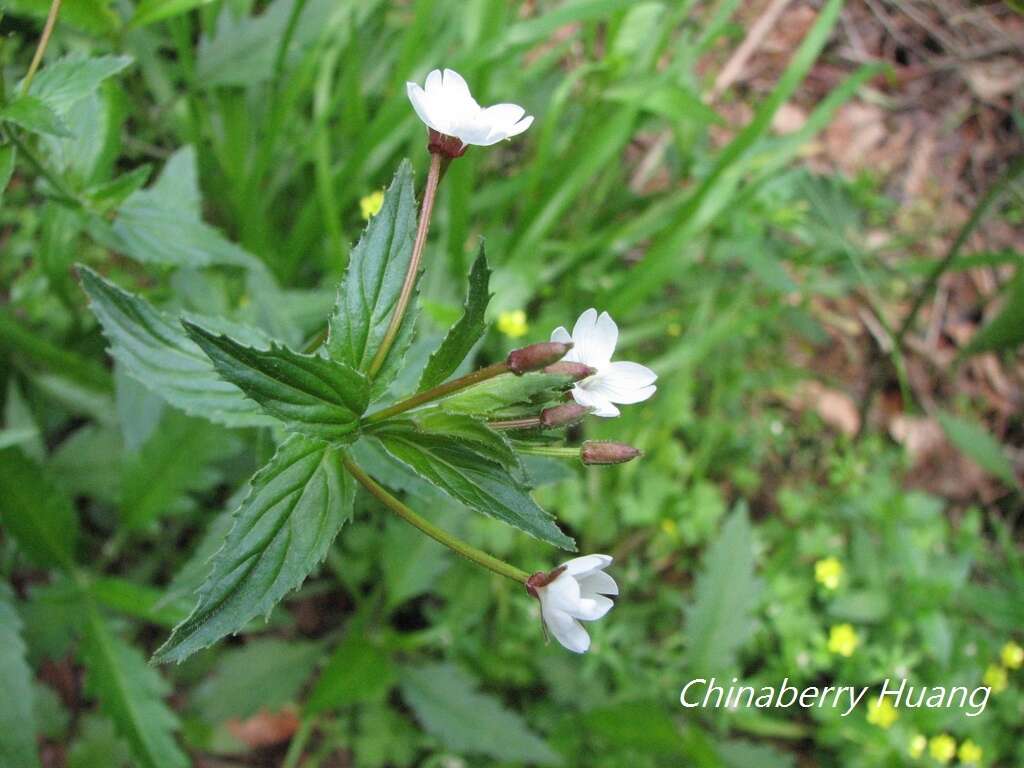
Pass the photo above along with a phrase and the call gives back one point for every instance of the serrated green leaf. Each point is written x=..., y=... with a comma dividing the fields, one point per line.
x=156, y=351
x=447, y=703
x=490, y=444
x=720, y=618
x=282, y=530
x=152, y=11
x=163, y=224
x=1003, y=332
x=174, y=461
x=977, y=444
x=357, y=671
x=503, y=392
x=373, y=282
x=131, y=693
x=310, y=394
x=479, y=483
x=68, y=80
x=34, y=115
x=36, y=512
x=17, y=720
x=274, y=667
x=466, y=332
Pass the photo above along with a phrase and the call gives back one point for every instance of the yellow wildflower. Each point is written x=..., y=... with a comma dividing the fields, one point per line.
x=917, y=746
x=942, y=748
x=843, y=639
x=371, y=204
x=828, y=572
x=970, y=753
x=882, y=714
x=1012, y=655
x=513, y=324
x=995, y=678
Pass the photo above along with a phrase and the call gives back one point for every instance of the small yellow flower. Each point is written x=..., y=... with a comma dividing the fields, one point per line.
x=828, y=572
x=917, y=746
x=1012, y=655
x=674, y=330
x=513, y=324
x=942, y=748
x=883, y=715
x=843, y=639
x=670, y=528
x=371, y=204
x=995, y=678
x=970, y=753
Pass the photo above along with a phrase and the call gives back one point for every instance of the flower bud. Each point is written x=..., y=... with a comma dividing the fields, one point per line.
x=562, y=415
x=536, y=356
x=578, y=371
x=607, y=452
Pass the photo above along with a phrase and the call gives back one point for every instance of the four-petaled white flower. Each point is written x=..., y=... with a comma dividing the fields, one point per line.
x=594, y=339
x=575, y=591
x=446, y=105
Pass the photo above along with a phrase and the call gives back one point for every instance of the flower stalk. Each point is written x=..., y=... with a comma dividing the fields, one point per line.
x=439, y=535
x=437, y=165
x=436, y=393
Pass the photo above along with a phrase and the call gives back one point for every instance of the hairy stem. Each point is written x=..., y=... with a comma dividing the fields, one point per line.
x=554, y=451
x=530, y=422
x=44, y=40
x=436, y=393
x=439, y=535
x=429, y=193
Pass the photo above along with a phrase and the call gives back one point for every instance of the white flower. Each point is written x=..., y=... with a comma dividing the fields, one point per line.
x=575, y=593
x=594, y=339
x=447, y=106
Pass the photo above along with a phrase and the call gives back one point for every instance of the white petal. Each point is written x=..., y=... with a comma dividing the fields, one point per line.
x=434, y=83
x=420, y=102
x=566, y=630
x=597, y=583
x=580, y=567
x=606, y=336
x=582, y=333
x=562, y=335
x=503, y=116
x=589, y=398
x=621, y=382
x=562, y=594
x=521, y=126
x=591, y=608
x=455, y=85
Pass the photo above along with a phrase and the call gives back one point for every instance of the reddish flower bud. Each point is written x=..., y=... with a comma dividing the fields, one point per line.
x=607, y=452
x=562, y=415
x=536, y=356
x=578, y=371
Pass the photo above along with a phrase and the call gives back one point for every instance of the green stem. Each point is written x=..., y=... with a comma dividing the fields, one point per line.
x=554, y=451
x=439, y=535
x=429, y=193
x=977, y=215
x=44, y=40
x=436, y=393
x=298, y=743
x=82, y=370
x=64, y=194
x=530, y=422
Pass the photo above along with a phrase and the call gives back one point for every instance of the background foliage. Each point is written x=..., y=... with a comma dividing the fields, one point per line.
x=212, y=156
